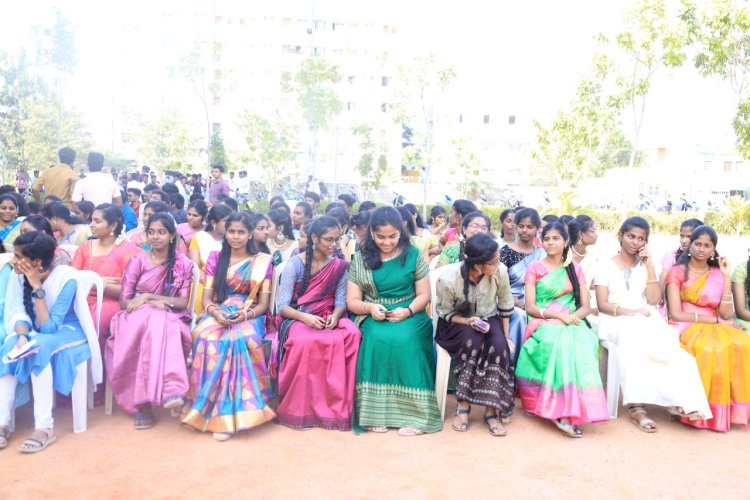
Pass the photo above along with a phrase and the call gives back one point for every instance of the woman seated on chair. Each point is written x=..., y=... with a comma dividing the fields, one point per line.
x=10, y=222
x=699, y=297
x=388, y=291
x=196, y=216
x=230, y=389
x=653, y=368
x=50, y=301
x=138, y=236
x=471, y=224
x=71, y=230
x=517, y=256
x=207, y=241
x=40, y=223
x=558, y=368
x=108, y=259
x=317, y=344
x=150, y=338
x=281, y=241
x=474, y=303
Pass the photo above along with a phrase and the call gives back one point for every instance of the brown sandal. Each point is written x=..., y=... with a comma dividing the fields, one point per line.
x=640, y=419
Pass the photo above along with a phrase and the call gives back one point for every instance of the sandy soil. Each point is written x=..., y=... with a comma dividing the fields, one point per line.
x=614, y=459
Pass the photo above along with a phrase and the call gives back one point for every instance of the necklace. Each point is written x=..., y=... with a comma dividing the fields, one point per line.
x=585, y=251
x=697, y=271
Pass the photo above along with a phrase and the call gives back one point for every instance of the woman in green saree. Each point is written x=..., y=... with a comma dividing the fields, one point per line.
x=387, y=293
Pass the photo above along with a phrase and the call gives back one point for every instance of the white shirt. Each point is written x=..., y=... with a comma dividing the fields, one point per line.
x=97, y=187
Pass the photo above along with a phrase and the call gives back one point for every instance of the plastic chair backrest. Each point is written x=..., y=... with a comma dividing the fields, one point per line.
x=194, y=287
x=277, y=270
x=434, y=276
x=90, y=279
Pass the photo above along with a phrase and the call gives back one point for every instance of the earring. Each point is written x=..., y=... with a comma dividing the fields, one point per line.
x=580, y=241
x=689, y=254
x=713, y=256
x=41, y=269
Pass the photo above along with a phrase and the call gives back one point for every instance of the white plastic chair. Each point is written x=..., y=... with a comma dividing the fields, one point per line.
x=277, y=270
x=612, y=378
x=443, y=365
x=83, y=386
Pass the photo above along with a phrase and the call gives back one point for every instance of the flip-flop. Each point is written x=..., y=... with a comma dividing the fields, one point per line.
x=379, y=430
x=173, y=403
x=37, y=445
x=463, y=426
x=643, y=421
x=222, y=436
x=143, y=420
x=4, y=437
x=495, y=430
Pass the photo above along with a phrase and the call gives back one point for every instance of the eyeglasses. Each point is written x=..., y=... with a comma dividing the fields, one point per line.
x=331, y=241
x=477, y=226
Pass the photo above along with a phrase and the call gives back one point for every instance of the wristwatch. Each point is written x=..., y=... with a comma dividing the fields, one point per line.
x=38, y=294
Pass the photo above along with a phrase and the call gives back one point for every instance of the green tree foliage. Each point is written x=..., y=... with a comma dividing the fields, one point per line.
x=720, y=35
x=218, y=152
x=652, y=39
x=314, y=87
x=271, y=147
x=471, y=183
x=164, y=141
x=371, y=170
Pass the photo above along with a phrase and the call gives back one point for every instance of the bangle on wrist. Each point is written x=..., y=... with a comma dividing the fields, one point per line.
x=652, y=282
x=252, y=311
x=726, y=301
x=696, y=317
x=541, y=312
x=411, y=313
x=614, y=311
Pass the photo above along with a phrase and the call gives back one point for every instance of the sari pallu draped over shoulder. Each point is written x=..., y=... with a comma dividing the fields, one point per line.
x=230, y=389
x=721, y=351
x=516, y=273
x=317, y=372
x=558, y=367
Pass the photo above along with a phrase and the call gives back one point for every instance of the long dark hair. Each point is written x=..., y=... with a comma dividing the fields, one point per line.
x=464, y=207
x=409, y=225
x=570, y=267
x=112, y=215
x=280, y=217
x=412, y=208
x=479, y=249
x=503, y=215
x=319, y=227
x=381, y=217
x=713, y=260
x=35, y=245
x=468, y=218
x=21, y=205
x=221, y=289
x=215, y=214
x=692, y=224
x=200, y=207
x=435, y=211
x=168, y=223
x=254, y=220
x=577, y=226
x=40, y=223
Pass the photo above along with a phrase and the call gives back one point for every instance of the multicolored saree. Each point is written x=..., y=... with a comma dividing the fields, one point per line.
x=721, y=351
x=230, y=389
x=558, y=367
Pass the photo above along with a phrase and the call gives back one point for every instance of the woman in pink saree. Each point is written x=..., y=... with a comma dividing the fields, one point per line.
x=699, y=297
x=150, y=338
x=317, y=345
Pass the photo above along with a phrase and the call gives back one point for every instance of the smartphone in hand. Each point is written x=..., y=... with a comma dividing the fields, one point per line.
x=233, y=316
x=481, y=325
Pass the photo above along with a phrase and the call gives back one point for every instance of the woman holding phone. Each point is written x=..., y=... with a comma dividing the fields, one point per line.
x=388, y=291
x=230, y=388
x=474, y=304
x=654, y=368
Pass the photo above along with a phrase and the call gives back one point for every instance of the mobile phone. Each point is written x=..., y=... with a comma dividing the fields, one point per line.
x=233, y=316
x=481, y=325
x=388, y=313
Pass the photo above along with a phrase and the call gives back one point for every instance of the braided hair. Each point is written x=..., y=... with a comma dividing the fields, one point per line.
x=281, y=219
x=468, y=218
x=408, y=222
x=215, y=214
x=381, y=217
x=221, y=289
x=480, y=249
x=570, y=267
x=61, y=211
x=412, y=208
x=35, y=245
x=168, y=222
x=113, y=216
x=689, y=223
x=39, y=223
x=318, y=228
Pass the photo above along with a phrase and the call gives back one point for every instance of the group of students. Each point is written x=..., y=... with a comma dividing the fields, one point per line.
x=348, y=343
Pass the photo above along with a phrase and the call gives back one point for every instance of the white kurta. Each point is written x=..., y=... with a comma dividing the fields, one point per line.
x=654, y=369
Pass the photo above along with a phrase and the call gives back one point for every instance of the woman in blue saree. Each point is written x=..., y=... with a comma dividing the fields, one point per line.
x=517, y=256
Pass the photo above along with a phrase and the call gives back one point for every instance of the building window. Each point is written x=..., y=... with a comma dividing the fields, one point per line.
x=460, y=118
x=511, y=120
x=217, y=100
x=319, y=51
x=707, y=165
x=350, y=79
x=286, y=21
x=216, y=127
x=217, y=20
x=738, y=166
x=385, y=107
x=319, y=24
x=486, y=119
x=661, y=153
x=727, y=166
x=349, y=106
x=384, y=81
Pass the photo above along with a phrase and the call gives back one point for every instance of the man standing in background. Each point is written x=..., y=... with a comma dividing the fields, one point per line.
x=97, y=187
x=58, y=180
x=218, y=184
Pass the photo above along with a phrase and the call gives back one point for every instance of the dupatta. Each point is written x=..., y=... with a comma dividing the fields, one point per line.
x=517, y=272
x=554, y=292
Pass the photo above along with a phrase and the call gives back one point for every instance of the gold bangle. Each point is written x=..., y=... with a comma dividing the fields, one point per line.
x=652, y=282
x=364, y=308
x=614, y=311
x=727, y=301
x=696, y=317
x=208, y=308
x=252, y=311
